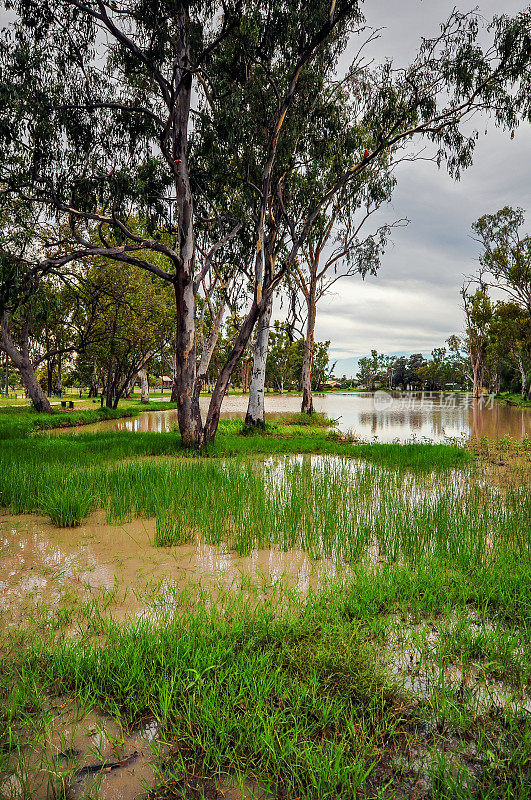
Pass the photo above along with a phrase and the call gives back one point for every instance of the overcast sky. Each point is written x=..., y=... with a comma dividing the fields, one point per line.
x=413, y=303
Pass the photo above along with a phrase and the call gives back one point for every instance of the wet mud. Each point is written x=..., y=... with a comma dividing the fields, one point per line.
x=85, y=755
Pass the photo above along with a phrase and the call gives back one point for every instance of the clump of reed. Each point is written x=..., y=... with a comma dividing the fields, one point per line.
x=170, y=528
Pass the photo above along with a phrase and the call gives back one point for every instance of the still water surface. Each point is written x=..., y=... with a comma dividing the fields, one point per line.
x=382, y=416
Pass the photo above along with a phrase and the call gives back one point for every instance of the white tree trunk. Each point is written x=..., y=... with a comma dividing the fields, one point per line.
x=523, y=377
x=255, y=408
x=144, y=386
x=307, y=364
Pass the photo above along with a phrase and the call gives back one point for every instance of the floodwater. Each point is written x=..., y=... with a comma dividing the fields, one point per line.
x=82, y=754
x=45, y=566
x=117, y=570
x=381, y=416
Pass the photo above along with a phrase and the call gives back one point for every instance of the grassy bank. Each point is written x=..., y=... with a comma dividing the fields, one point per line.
x=513, y=400
x=20, y=422
x=68, y=476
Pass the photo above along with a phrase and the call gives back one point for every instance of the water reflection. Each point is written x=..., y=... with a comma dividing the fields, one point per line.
x=370, y=415
x=42, y=564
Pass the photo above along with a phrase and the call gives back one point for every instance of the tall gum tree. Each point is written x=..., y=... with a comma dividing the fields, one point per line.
x=478, y=312
x=108, y=132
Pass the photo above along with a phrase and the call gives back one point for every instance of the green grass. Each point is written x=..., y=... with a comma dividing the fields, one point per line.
x=513, y=399
x=18, y=422
x=297, y=693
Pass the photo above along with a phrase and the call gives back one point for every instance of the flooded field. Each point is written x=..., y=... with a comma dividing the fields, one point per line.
x=263, y=627
x=43, y=566
x=384, y=416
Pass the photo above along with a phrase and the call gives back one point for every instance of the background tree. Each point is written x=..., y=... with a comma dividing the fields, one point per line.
x=510, y=332
x=110, y=135
x=478, y=312
x=132, y=311
x=506, y=253
x=107, y=137
x=370, y=369
x=430, y=99
x=41, y=322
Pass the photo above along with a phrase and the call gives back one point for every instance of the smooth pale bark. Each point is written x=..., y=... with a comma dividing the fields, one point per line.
x=307, y=364
x=33, y=388
x=246, y=375
x=523, y=376
x=186, y=385
x=210, y=344
x=20, y=358
x=173, y=377
x=144, y=386
x=255, y=409
x=187, y=388
x=214, y=409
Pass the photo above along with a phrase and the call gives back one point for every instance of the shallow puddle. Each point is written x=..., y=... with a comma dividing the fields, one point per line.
x=412, y=657
x=42, y=565
x=85, y=755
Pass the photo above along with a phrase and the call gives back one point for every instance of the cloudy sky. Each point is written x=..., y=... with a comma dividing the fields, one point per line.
x=413, y=303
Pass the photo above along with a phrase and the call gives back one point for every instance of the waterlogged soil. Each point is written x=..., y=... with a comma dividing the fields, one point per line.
x=82, y=755
x=42, y=566
x=85, y=754
x=415, y=656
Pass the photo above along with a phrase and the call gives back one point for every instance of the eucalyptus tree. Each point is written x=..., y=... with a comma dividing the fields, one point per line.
x=96, y=110
x=385, y=111
x=510, y=333
x=478, y=312
x=336, y=249
x=132, y=313
x=506, y=253
x=108, y=136
x=41, y=321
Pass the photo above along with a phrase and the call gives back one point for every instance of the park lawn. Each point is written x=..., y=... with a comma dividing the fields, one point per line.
x=408, y=675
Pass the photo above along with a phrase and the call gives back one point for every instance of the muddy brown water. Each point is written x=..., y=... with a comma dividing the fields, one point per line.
x=43, y=564
x=83, y=755
x=383, y=416
x=44, y=568
x=86, y=754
